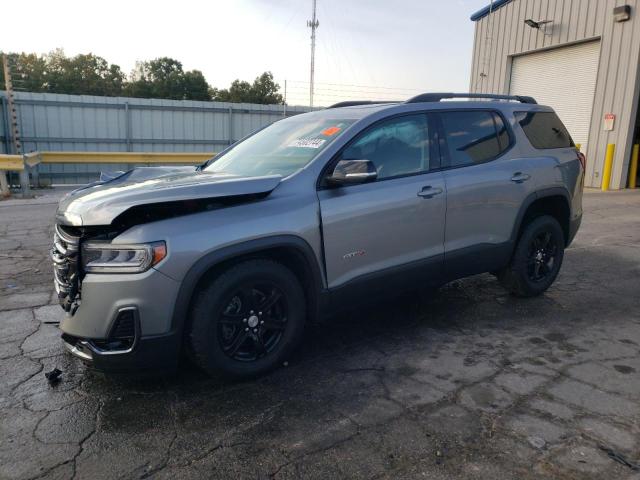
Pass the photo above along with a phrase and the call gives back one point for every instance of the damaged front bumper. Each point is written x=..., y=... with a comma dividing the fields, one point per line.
x=125, y=349
x=159, y=352
x=122, y=322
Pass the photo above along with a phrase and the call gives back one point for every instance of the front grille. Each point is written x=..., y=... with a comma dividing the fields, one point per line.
x=65, y=256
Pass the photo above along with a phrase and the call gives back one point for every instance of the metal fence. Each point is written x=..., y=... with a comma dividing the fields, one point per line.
x=54, y=122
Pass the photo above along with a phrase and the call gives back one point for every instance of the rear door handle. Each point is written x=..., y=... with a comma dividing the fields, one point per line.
x=520, y=177
x=429, y=192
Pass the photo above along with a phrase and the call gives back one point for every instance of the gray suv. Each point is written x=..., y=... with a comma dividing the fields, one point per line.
x=228, y=261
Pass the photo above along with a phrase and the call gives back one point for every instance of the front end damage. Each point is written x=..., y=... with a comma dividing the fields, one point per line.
x=105, y=309
x=65, y=255
x=123, y=332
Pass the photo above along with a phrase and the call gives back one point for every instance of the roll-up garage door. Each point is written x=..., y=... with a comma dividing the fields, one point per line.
x=563, y=78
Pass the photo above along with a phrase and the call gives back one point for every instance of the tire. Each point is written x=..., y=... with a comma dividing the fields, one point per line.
x=229, y=333
x=535, y=264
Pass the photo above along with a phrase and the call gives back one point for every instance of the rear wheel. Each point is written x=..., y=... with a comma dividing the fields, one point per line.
x=537, y=258
x=247, y=320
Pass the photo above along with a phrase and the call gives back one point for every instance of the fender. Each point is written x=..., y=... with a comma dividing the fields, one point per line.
x=532, y=197
x=210, y=260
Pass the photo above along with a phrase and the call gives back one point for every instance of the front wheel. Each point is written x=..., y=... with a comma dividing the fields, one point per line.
x=247, y=320
x=537, y=258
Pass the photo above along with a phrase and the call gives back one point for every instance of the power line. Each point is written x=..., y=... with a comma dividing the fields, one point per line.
x=356, y=91
x=362, y=86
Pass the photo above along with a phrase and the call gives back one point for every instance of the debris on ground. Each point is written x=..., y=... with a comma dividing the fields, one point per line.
x=536, y=442
x=53, y=376
x=620, y=458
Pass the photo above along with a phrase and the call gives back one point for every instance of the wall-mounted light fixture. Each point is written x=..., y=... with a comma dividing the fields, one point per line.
x=538, y=24
x=622, y=13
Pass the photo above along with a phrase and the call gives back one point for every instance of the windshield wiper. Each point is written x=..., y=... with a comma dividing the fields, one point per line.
x=204, y=165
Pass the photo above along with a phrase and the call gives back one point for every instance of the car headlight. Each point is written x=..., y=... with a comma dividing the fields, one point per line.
x=104, y=257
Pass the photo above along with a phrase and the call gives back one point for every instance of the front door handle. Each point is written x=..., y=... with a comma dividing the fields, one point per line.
x=520, y=177
x=429, y=192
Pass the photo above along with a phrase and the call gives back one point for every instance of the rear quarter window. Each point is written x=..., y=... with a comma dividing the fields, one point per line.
x=473, y=136
x=544, y=130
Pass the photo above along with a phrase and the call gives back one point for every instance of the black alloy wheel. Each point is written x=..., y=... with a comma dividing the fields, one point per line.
x=246, y=319
x=542, y=255
x=252, y=324
x=537, y=258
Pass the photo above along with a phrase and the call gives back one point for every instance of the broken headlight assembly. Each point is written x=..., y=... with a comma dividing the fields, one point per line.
x=105, y=257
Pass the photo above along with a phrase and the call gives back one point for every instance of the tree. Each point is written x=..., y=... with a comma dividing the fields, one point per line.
x=196, y=86
x=84, y=74
x=138, y=85
x=28, y=71
x=263, y=90
x=56, y=73
x=164, y=77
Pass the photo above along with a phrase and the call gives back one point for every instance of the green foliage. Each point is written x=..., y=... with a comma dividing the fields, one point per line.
x=263, y=90
x=82, y=75
x=164, y=77
x=28, y=72
x=57, y=73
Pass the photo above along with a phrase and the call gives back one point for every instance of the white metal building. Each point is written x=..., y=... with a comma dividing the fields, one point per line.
x=581, y=57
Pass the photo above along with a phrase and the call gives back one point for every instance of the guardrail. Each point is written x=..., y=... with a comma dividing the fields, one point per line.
x=123, y=157
x=13, y=163
x=24, y=163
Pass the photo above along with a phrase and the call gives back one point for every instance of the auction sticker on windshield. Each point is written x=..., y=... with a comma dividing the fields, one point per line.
x=331, y=131
x=307, y=143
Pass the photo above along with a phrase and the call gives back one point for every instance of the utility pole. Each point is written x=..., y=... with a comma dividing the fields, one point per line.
x=13, y=121
x=284, y=102
x=313, y=23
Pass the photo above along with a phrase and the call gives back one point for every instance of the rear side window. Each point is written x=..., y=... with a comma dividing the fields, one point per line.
x=544, y=130
x=473, y=136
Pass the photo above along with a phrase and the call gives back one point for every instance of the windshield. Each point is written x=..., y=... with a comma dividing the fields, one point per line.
x=282, y=148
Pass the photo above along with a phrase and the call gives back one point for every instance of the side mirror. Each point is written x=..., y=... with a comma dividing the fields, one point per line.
x=351, y=172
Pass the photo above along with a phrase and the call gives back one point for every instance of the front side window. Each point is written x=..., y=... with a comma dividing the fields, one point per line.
x=282, y=148
x=473, y=136
x=544, y=130
x=396, y=147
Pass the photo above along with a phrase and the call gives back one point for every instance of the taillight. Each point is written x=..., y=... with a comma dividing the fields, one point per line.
x=583, y=160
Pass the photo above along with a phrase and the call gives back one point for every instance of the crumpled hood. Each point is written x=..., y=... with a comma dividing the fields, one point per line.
x=100, y=203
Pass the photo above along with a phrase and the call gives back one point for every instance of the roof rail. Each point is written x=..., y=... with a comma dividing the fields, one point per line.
x=353, y=103
x=436, y=97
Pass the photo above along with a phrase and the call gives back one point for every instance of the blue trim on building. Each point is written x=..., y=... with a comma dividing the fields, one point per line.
x=485, y=11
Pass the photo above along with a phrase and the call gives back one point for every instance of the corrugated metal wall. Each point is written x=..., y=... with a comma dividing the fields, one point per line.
x=502, y=35
x=53, y=122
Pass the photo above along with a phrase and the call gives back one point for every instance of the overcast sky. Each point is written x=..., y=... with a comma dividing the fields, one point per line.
x=390, y=47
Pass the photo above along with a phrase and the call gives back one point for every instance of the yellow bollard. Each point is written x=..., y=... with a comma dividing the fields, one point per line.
x=578, y=146
x=608, y=166
x=633, y=171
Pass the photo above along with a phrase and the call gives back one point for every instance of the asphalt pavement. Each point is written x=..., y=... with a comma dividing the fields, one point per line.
x=466, y=382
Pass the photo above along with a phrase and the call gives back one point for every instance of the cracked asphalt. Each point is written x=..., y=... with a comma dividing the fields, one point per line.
x=467, y=382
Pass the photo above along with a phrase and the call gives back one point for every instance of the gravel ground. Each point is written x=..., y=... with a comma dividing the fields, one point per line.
x=467, y=382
